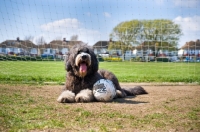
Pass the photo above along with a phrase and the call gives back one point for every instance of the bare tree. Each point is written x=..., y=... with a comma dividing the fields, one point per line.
x=40, y=40
x=29, y=37
x=58, y=38
x=74, y=38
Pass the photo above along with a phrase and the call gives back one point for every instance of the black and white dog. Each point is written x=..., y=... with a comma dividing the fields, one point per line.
x=82, y=72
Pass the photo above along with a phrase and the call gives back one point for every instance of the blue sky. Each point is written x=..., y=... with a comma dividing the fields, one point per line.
x=91, y=20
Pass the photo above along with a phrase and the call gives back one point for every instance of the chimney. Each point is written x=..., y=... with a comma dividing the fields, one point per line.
x=110, y=39
x=64, y=39
x=18, y=39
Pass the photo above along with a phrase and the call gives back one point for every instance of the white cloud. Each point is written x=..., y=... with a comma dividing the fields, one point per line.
x=106, y=14
x=61, y=25
x=186, y=3
x=68, y=27
x=190, y=27
x=188, y=23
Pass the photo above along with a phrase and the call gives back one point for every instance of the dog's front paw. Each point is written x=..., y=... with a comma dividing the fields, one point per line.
x=85, y=95
x=66, y=97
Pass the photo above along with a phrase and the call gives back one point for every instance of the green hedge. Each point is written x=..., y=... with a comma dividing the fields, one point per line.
x=25, y=58
x=100, y=59
x=163, y=59
x=136, y=59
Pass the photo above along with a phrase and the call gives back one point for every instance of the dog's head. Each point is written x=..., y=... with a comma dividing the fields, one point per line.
x=81, y=60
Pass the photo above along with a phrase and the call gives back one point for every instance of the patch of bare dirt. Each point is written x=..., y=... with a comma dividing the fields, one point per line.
x=164, y=108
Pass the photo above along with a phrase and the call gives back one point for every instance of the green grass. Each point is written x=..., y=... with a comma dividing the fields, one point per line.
x=40, y=72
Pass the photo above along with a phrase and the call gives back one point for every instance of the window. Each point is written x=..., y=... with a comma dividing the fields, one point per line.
x=51, y=51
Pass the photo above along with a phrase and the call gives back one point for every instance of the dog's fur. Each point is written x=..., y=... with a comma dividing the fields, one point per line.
x=82, y=72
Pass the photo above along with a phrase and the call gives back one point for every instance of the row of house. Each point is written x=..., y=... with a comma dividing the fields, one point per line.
x=26, y=47
x=18, y=47
x=151, y=49
x=58, y=48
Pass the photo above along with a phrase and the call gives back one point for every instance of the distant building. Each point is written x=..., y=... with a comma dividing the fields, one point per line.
x=18, y=47
x=101, y=47
x=191, y=48
x=56, y=48
x=148, y=50
x=61, y=47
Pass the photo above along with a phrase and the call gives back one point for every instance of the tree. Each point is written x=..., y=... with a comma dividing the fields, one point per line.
x=29, y=37
x=120, y=45
x=40, y=40
x=74, y=38
x=158, y=32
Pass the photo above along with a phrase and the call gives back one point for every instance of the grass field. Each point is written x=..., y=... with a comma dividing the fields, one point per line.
x=27, y=107
x=40, y=72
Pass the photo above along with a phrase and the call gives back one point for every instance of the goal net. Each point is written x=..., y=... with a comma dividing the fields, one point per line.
x=153, y=41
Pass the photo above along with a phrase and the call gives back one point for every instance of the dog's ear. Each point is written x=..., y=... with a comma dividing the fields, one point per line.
x=68, y=66
x=94, y=61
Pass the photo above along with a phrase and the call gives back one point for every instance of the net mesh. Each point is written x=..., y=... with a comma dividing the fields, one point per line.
x=152, y=41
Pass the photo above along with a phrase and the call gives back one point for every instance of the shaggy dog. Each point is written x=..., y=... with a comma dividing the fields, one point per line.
x=82, y=72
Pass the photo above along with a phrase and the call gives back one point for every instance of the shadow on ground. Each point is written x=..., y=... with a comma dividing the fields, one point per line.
x=128, y=100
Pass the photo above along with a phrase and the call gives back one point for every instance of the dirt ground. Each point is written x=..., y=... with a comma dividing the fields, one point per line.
x=164, y=108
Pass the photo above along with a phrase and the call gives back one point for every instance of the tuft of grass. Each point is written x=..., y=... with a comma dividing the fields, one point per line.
x=193, y=115
x=103, y=128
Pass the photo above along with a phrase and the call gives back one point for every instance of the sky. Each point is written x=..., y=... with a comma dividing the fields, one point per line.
x=91, y=20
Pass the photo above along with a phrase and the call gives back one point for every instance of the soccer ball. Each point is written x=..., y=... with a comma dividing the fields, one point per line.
x=104, y=90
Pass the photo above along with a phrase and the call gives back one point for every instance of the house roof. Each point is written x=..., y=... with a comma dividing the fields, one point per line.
x=192, y=45
x=55, y=44
x=151, y=45
x=58, y=44
x=101, y=44
x=145, y=45
x=18, y=43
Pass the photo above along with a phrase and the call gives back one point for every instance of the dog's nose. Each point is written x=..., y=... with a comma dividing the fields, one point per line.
x=84, y=57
